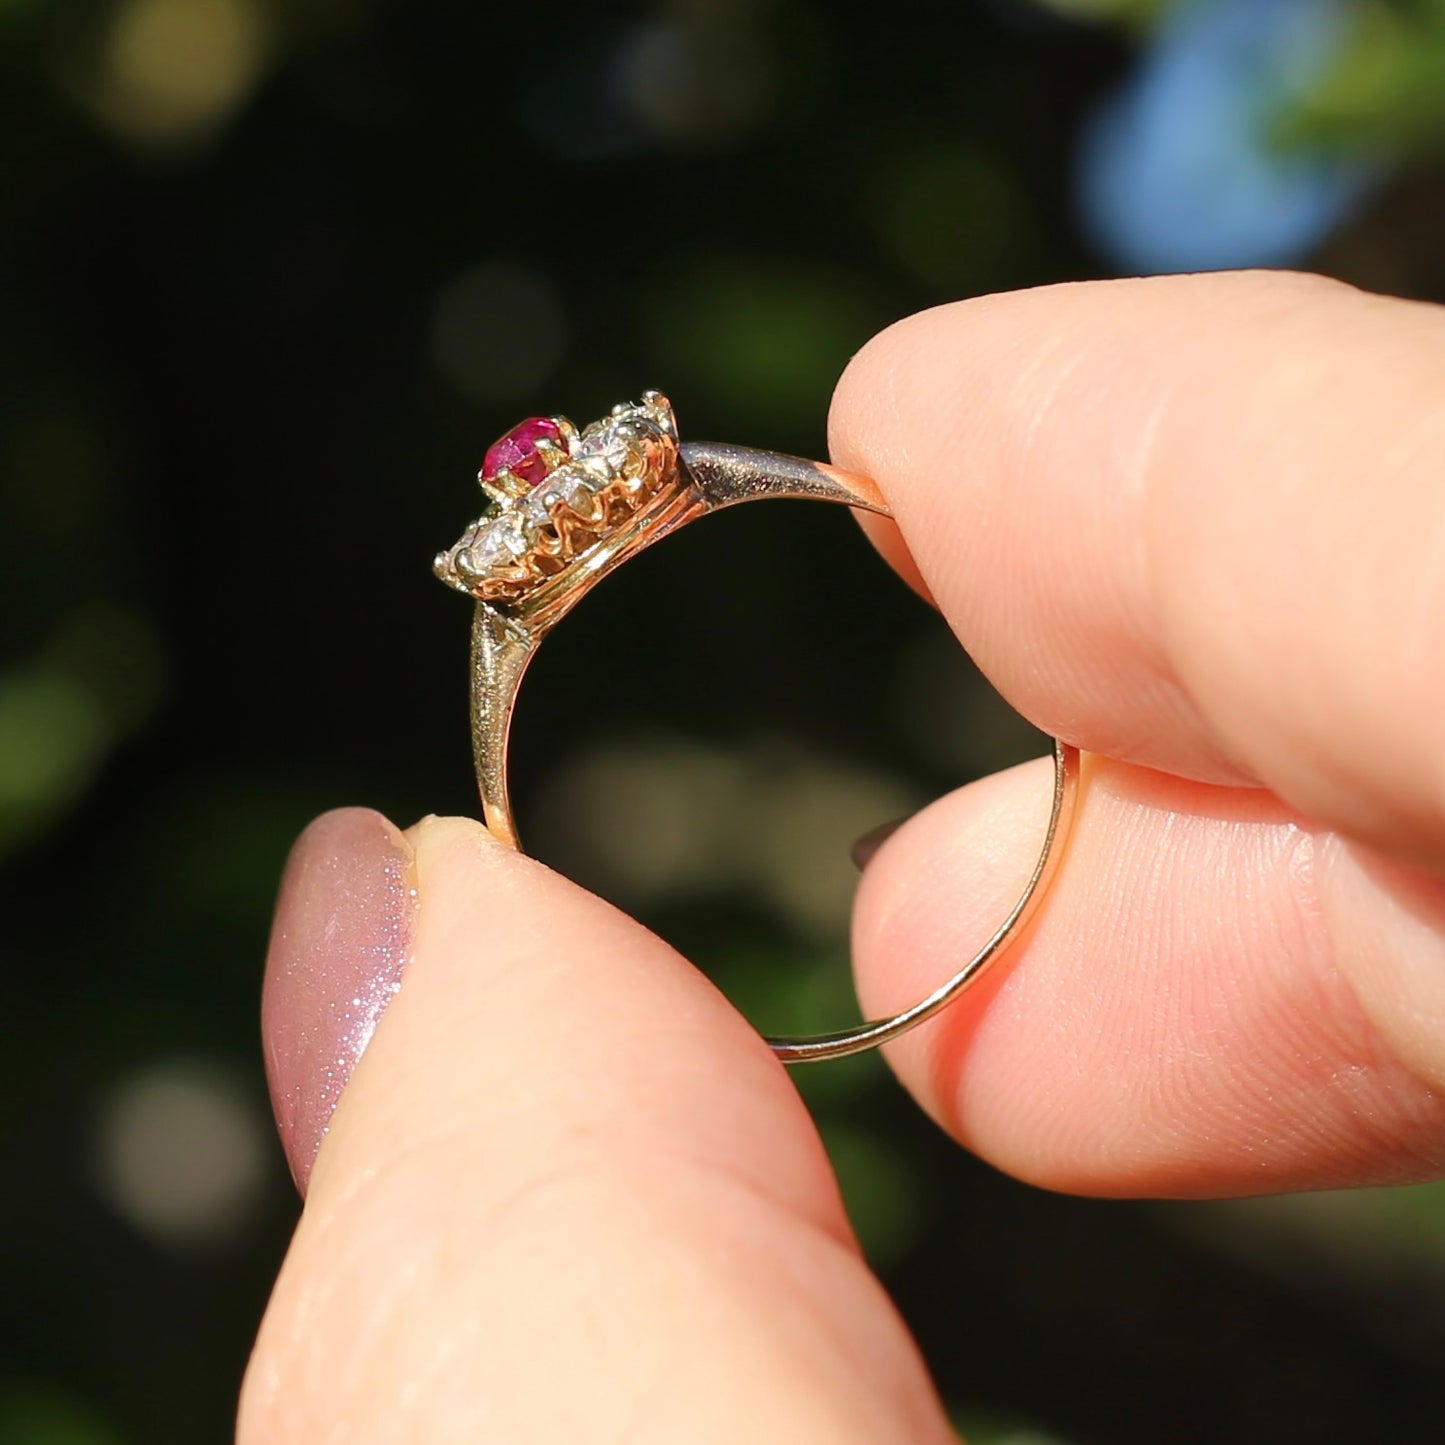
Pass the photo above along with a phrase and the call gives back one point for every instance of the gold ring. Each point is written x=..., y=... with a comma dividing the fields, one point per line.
x=566, y=506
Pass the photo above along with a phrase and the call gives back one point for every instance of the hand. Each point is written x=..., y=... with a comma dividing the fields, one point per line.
x=1195, y=526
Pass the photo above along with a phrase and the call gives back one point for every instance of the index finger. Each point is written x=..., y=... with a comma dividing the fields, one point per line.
x=1194, y=523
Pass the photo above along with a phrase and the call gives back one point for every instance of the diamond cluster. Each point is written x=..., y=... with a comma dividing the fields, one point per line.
x=556, y=493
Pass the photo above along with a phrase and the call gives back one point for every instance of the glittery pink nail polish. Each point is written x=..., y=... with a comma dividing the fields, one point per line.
x=338, y=948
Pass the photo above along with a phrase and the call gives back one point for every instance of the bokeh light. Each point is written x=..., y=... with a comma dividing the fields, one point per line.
x=498, y=332
x=763, y=337
x=1183, y=168
x=35, y=1414
x=170, y=70
x=672, y=819
x=950, y=213
x=701, y=74
x=51, y=738
x=181, y=1151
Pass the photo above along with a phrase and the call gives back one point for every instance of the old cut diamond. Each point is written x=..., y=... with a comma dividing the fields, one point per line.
x=499, y=544
x=613, y=441
x=568, y=484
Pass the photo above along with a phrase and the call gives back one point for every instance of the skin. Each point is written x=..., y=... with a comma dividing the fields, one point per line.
x=1195, y=525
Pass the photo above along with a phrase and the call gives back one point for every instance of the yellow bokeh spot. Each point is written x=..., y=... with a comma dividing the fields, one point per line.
x=175, y=67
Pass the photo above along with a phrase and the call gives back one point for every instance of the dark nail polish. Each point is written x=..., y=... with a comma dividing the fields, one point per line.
x=863, y=850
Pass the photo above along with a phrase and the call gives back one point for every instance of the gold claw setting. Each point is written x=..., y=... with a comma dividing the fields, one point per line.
x=556, y=493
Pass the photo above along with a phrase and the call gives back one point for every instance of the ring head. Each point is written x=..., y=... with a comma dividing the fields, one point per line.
x=557, y=493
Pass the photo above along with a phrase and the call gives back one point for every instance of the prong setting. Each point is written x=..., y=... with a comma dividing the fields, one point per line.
x=551, y=453
x=502, y=488
x=557, y=491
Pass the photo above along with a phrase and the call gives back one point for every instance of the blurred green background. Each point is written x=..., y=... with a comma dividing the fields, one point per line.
x=273, y=274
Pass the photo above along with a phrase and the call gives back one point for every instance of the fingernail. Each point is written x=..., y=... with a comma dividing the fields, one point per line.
x=339, y=944
x=863, y=850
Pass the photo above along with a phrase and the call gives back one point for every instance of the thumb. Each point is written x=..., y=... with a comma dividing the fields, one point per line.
x=567, y=1192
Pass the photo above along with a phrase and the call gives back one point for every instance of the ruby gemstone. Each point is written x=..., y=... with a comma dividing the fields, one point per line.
x=517, y=451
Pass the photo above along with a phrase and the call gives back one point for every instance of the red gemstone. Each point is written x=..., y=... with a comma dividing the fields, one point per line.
x=517, y=451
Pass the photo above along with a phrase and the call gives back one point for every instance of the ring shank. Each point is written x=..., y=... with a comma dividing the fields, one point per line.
x=712, y=476
x=501, y=651
x=816, y=1048
x=725, y=475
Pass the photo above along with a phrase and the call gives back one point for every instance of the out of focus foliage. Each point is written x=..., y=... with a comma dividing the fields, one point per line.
x=1383, y=89
x=273, y=273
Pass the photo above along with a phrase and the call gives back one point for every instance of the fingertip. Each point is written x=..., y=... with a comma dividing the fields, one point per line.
x=437, y=832
x=1173, y=1022
x=1161, y=512
x=871, y=416
x=521, y=980
x=965, y=859
x=883, y=533
x=563, y=1122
